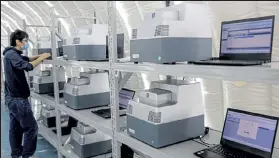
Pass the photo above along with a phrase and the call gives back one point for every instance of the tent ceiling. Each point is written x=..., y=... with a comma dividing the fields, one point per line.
x=37, y=12
x=129, y=14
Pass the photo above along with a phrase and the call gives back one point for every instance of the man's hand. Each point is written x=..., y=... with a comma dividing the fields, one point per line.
x=40, y=59
x=45, y=56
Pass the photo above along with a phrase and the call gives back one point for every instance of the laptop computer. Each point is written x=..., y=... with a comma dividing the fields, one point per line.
x=245, y=135
x=124, y=96
x=244, y=42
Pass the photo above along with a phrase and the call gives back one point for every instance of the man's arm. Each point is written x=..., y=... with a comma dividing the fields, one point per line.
x=30, y=59
x=36, y=62
x=41, y=57
x=21, y=63
x=33, y=58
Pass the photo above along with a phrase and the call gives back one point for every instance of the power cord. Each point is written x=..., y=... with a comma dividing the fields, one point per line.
x=206, y=131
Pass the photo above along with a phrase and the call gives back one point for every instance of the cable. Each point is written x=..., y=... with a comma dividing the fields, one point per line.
x=202, y=143
x=206, y=144
x=206, y=131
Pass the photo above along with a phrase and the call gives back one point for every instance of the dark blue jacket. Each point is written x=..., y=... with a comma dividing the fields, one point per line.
x=14, y=66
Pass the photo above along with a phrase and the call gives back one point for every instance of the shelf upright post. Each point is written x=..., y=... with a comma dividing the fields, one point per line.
x=37, y=38
x=9, y=34
x=24, y=27
x=3, y=78
x=9, y=44
x=113, y=81
x=55, y=82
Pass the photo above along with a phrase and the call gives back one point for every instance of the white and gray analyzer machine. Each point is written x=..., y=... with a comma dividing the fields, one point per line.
x=48, y=116
x=174, y=34
x=170, y=111
x=43, y=79
x=88, y=90
x=90, y=43
x=89, y=142
x=43, y=45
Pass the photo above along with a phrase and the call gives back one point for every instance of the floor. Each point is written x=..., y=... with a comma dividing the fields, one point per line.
x=44, y=149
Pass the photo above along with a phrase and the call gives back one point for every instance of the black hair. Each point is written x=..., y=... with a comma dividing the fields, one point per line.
x=17, y=35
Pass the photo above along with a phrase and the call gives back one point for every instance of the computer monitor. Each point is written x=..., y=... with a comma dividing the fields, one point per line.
x=60, y=48
x=247, y=39
x=124, y=96
x=253, y=133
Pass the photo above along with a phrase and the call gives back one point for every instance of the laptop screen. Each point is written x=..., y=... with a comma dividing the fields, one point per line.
x=255, y=131
x=250, y=36
x=124, y=96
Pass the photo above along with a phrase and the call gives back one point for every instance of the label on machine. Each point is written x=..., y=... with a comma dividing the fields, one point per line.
x=135, y=55
x=132, y=131
x=76, y=40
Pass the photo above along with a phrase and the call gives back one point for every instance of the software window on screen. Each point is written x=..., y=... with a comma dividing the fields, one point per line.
x=247, y=37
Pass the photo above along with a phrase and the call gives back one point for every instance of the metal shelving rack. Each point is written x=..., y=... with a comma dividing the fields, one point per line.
x=81, y=115
x=267, y=74
x=44, y=131
x=2, y=64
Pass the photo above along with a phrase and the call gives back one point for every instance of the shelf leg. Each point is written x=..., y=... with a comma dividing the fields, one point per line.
x=113, y=81
x=55, y=82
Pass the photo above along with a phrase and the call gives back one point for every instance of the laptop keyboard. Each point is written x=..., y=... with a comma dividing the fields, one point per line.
x=241, y=61
x=227, y=62
x=233, y=153
x=235, y=61
x=105, y=112
x=52, y=95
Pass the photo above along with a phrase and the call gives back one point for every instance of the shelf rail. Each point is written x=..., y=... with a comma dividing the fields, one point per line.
x=113, y=82
x=53, y=19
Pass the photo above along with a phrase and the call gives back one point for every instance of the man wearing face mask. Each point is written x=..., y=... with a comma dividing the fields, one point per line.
x=22, y=121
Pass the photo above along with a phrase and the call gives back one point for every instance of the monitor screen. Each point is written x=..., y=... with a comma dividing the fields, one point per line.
x=60, y=48
x=253, y=131
x=124, y=97
x=249, y=37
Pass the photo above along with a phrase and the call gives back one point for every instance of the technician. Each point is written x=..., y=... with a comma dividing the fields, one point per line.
x=22, y=121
